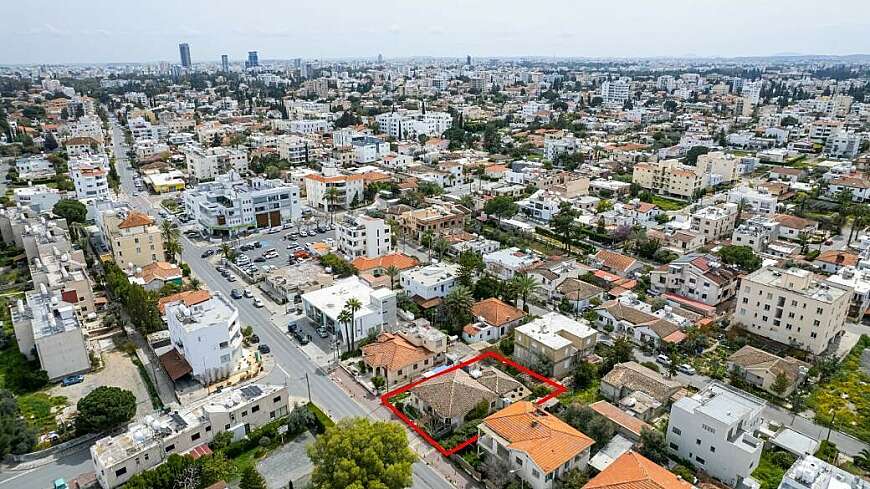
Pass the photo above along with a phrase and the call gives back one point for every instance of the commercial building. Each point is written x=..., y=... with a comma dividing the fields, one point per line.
x=208, y=163
x=536, y=445
x=714, y=430
x=184, y=51
x=793, y=308
x=133, y=237
x=204, y=329
x=378, y=309
x=362, y=235
x=149, y=442
x=231, y=204
x=561, y=340
x=670, y=178
x=47, y=329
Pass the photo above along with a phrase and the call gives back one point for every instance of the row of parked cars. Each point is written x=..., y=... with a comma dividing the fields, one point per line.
x=247, y=294
x=682, y=367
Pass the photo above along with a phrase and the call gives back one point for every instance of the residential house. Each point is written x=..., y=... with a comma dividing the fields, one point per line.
x=613, y=262
x=507, y=262
x=641, y=391
x=763, y=370
x=793, y=227
x=715, y=222
x=832, y=261
x=625, y=424
x=401, y=357
x=634, y=319
x=695, y=277
x=578, y=293
x=555, y=341
x=536, y=445
x=632, y=470
x=493, y=319
x=157, y=274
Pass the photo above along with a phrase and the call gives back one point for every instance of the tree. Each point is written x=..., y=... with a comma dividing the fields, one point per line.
x=227, y=251
x=780, y=383
x=392, y=272
x=427, y=239
x=653, y=446
x=458, y=304
x=591, y=423
x=741, y=256
x=470, y=263
x=353, y=305
x=16, y=436
x=71, y=210
x=498, y=471
x=171, y=239
x=573, y=479
x=584, y=374
x=104, y=409
x=344, y=318
x=694, y=152
x=331, y=195
x=50, y=143
x=502, y=207
x=525, y=285
x=251, y=479
x=563, y=222
x=359, y=453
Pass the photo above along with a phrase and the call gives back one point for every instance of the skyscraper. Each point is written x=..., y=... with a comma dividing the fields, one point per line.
x=380, y=58
x=225, y=63
x=468, y=60
x=184, y=49
x=253, y=60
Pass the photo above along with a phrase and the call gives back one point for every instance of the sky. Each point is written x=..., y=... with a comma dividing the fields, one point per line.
x=101, y=31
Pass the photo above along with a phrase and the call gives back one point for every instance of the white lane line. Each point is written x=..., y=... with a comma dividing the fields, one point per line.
x=16, y=476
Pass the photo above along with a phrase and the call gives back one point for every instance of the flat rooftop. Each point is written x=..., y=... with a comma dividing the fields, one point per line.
x=549, y=329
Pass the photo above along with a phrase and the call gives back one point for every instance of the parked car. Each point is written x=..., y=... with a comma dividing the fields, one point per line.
x=72, y=380
x=231, y=278
x=304, y=339
x=258, y=244
x=663, y=359
x=264, y=348
x=291, y=328
x=207, y=253
x=322, y=333
x=60, y=484
x=686, y=369
x=236, y=294
x=248, y=293
x=260, y=259
x=258, y=302
x=253, y=339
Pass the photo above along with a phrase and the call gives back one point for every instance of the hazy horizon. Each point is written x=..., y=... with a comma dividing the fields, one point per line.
x=100, y=31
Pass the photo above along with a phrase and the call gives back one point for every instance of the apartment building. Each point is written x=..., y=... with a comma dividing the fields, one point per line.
x=378, y=310
x=669, y=178
x=293, y=149
x=149, y=442
x=34, y=167
x=696, y=277
x=561, y=340
x=439, y=219
x=362, y=235
x=615, y=92
x=536, y=445
x=809, y=472
x=756, y=233
x=205, y=331
x=759, y=201
x=47, y=329
x=133, y=237
x=231, y=204
x=715, y=222
x=719, y=167
x=208, y=163
x=714, y=430
x=90, y=177
x=430, y=282
x=348, y=188
x=40, y=198
x=793, y=308
x=409, y=124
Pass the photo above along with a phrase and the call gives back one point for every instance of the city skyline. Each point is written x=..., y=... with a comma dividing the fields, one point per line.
x=51, y=34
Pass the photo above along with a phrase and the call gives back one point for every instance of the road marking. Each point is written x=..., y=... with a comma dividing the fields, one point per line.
x=16, y=476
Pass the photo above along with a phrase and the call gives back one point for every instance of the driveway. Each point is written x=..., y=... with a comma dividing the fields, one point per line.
x=290, y=463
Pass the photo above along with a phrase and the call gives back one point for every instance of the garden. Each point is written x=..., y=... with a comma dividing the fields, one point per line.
x=842, y=399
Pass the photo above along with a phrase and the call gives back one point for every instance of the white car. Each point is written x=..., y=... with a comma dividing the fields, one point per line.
x=248, y=293
x=686, y=369
x=258, y=303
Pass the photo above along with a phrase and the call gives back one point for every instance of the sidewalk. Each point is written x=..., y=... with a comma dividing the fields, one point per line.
x=426, y=452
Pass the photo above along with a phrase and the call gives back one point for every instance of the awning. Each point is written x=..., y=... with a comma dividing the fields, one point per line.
x=175, y=365
x=199, y=451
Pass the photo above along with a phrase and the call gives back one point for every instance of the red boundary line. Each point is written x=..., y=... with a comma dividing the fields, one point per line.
x=558, y=389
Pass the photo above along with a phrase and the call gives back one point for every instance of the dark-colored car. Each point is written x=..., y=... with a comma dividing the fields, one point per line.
x=264, y=348
x=236, y=294
x=253, y=339
x=304, y=340
x=260, y=259
x=258, y=244
x=207, y=253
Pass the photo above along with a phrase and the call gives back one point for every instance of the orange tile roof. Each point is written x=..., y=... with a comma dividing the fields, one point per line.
x=160, y=270
x=398, y=260
x=496, y=312
x=615, y=261
x=136, y=219
x=548, y=441
x=634, y=471
x=393, y=352
x=337, y=178
x=619, y=417
x=838, y=257
x=189, y=297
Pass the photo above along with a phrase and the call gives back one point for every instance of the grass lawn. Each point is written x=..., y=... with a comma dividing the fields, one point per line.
x=36, y=408
x=853, y=411
x=667, y=204
x=769, y=473
x=585, y=396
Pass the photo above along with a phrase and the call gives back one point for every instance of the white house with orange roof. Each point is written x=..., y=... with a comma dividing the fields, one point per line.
x=632, y=470
x=493, y=319
x=538, y=446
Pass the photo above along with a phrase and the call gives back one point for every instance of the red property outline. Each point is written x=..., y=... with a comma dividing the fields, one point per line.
x=558, y=389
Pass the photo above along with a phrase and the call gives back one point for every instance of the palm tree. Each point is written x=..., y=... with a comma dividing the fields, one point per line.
x=392, y=272
x=525, y=286
x=332, y=194
x=171, y=239
x=458, y=304
x=195, y=284
x=353, y=305
x=344, y=318
x=441, y=246
x=227, y=251
x=426, y=239
x=859, y=214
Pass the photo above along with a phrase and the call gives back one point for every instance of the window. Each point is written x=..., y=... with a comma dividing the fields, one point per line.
x=519, y=461
x=276, y=399
x=255, y=409
x=169, y=448
x=700, y=460
x=709, y=429
x=712, y=449
x=674, y=446
x=208, y=428
x=676, y=431
x=121, y=471
x=227, y=427
x=244, y=413
x=697, y=441
x=194, y=437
